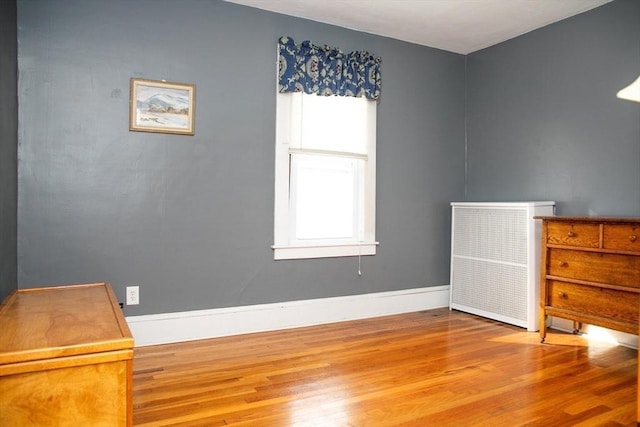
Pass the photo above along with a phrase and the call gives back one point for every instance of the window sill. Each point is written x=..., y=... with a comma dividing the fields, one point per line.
x=324, y=251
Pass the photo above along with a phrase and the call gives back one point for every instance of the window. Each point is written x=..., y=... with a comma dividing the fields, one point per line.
x=325, y=176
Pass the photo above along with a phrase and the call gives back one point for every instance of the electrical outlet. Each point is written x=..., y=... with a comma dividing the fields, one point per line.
x=133, y=295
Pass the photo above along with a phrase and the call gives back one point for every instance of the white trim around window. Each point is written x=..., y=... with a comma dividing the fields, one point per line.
x=290, y=147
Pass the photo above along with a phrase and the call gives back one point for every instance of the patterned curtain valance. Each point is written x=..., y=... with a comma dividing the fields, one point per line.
x=326, y=70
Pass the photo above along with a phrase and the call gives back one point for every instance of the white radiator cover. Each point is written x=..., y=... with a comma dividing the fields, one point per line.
x=495, y=260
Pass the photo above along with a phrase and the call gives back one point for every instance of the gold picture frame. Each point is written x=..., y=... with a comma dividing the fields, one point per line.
x=162, y=107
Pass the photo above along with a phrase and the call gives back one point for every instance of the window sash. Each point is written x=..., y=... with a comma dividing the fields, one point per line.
x=335, y=115
x=288, y=131
x=335, y=196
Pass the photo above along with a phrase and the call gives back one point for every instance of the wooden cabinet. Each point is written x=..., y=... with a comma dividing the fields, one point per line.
x=590, y=272
x=66, y=358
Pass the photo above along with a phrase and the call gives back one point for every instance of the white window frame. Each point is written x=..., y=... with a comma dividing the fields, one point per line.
x=288, y=133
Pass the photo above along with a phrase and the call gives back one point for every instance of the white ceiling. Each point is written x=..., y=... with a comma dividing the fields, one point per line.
x=461, y=26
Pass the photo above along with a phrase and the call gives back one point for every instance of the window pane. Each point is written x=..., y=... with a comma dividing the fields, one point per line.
x=335, y=123
x=324, y=197
x=325, y=207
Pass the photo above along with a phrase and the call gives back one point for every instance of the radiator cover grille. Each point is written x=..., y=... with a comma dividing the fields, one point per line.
x=493, y=234
x=495, y=259
x=490, y=287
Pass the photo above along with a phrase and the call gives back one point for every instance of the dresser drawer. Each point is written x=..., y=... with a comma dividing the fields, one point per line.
x=622, y=236
x=610, y=304
x=573, y=234
x=614, y=269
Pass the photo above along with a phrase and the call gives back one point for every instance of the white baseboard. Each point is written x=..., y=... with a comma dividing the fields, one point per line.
x=202, y=324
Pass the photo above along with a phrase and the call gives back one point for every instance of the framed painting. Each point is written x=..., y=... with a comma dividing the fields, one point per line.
x=161, y=106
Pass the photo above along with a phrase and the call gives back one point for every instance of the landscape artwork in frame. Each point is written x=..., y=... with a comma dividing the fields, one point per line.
x=161, y=106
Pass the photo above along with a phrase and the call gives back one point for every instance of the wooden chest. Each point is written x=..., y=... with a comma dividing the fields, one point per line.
x=66, y=358
x=591, y=272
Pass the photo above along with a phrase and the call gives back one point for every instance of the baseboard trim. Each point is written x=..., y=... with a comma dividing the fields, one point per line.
x=202, y=324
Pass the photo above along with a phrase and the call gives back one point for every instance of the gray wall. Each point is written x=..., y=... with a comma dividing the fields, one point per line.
x=8, y=148
x=190, y=219
x=543, y=119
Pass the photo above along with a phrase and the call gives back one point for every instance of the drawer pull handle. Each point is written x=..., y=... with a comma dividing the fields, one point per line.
x=633, y=238
x=562, y=264
x=571, y=234
x=562, y=295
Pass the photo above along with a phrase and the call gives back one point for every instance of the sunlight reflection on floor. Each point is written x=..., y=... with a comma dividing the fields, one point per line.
x=320, y=411
x=597, y=334
x=596, y=337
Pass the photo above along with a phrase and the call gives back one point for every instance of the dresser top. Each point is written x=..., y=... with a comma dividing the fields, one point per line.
x=45, y=323
x=598, y=219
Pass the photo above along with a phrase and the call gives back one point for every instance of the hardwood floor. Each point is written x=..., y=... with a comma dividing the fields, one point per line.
x=430, y=368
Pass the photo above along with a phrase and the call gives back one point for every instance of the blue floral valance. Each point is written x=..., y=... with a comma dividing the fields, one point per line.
x=326, y=70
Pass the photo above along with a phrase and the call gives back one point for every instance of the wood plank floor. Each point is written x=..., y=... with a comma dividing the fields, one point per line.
x=430, y=368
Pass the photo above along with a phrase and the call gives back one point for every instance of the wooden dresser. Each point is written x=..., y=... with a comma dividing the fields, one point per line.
x=590, y=272
x=66, y=357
